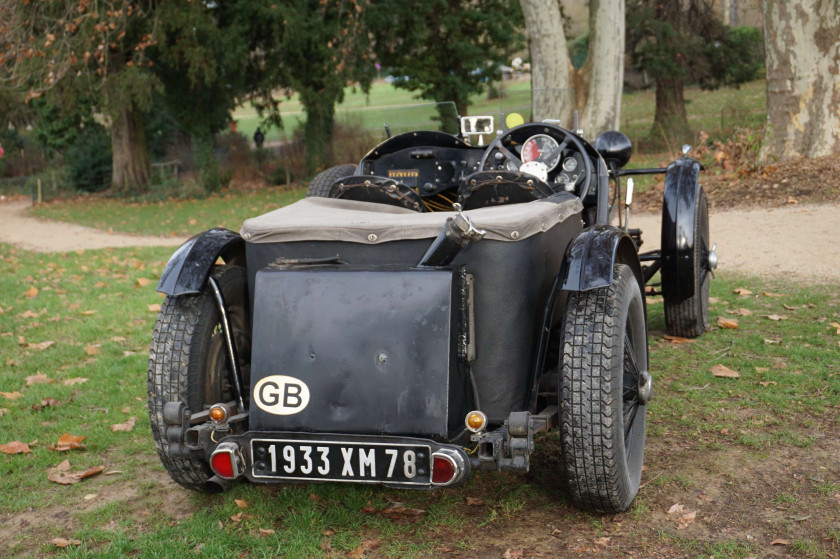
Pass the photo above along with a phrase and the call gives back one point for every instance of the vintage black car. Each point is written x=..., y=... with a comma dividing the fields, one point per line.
x=423, y=314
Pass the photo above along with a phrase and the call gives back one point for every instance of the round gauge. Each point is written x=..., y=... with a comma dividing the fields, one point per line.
x=540, y=148
x=569, y=164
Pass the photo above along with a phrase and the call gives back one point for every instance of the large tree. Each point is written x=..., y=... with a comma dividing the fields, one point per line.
x=68, y=47
x=601, y=79
x=683, y=41
x=802, y=41
x=447, y=50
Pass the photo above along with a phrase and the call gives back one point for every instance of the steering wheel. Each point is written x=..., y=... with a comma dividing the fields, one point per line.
x=554, y=155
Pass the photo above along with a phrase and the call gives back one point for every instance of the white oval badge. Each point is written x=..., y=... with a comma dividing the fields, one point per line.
x=281, y=395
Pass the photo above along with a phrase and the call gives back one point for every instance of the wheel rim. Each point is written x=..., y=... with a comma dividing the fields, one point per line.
x=704, y=269
x=634, y=409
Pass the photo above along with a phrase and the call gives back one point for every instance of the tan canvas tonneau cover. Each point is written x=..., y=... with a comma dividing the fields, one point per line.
x=328, y=219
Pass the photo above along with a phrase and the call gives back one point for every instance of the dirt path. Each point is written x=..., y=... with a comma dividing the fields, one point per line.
x=18, y=228
x=793, y=241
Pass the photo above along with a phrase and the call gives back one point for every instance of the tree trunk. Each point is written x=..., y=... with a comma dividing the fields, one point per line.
x=129, y=152
x=550, y=97
x=605, y=65
x=802, y=41
x=203, y=146
x=320, y=113
x=670, y=121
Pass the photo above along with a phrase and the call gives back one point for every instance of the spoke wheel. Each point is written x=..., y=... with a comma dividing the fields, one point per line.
x=603, y=411
x=188, y=363
x=690, y=317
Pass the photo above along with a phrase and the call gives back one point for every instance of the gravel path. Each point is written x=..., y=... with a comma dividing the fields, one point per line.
x=18, y=228
x=798, y=242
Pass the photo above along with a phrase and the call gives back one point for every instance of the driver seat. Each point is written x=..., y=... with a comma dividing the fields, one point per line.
x=498, y=188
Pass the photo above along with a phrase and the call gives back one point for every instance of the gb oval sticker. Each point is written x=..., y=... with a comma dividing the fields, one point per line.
x=281, y=395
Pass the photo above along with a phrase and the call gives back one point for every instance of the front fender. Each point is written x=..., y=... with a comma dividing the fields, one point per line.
x=592, y=255
x=188, y=269
x=678, y=217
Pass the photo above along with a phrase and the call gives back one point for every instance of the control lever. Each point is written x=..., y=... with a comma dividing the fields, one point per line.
x=628, y=201
x=457, y=233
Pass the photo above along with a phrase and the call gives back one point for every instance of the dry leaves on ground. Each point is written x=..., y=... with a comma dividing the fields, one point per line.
x=727, y=323
x=31, y=293
x=740, y=312
x=72, y=381
x=766, y=294
x=677, y=340
x=777, y=317
x=722, y=371
x=11, y=395
x=742, y=292
x=127, y=426
x=154, y=307
x=143, y=282
x=91, y=349
x=682, y=516
x=364, y=547
x=37, y=378
x=61, y=474
x=64, y=542
x=475, y=502
x=15, y=447
x=836, y=326
x=68, y=442
x=46, y=403
x=241, y=503
x=42, y=345
x=240, y=516
x=780, y=541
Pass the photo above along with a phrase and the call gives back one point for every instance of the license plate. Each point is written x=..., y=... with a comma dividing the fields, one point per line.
x=341, y=461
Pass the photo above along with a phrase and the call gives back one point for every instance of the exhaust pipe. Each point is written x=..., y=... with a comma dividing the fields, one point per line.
x=216, y=485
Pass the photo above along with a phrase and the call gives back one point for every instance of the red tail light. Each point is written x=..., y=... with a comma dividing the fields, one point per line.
x=227, y=462
x=443, y=469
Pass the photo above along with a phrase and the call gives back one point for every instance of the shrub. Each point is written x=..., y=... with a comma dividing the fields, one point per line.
x=89, y=160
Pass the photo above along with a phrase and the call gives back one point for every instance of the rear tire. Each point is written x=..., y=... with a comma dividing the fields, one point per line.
x=323, y=181
x=689, y=318
x=602, y=422
x=188, y=362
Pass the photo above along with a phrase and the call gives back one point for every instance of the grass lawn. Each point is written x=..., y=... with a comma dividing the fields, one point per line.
x=73, y=345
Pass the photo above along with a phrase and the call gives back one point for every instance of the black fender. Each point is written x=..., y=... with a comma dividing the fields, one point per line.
x=682, y=189
x=188, y=268
x=592, y=255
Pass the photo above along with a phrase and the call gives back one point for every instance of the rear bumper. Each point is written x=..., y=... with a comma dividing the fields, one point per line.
x=295, y=457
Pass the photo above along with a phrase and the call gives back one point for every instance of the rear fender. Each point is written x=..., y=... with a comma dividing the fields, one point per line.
x=678, y=209
x=593, y=254
x=188, y=269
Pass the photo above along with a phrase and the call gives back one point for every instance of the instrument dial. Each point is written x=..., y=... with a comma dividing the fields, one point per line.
x=540, y=148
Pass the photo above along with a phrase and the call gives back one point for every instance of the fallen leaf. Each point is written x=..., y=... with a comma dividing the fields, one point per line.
x=100, y=284
x=264, y=532
x=91, y=349
x=780, y=542
x=240, y=516
x=772, y=341
x=68, y=442
x=777, y=317
x=31, y=293
x=740, y=312
x=602, y=542
x=836, y=326
x=3, y=411
x=399, y=512
x=11, y=395
x=118, y=339
x=127, y=426
x=72, y=381
x=15, y=447
x=62, y=474
x=761, y=369
x=724, y=372
x=29, y=314
x=743, y=292
x=241, y=503
x=37, y=378
x=780, y=365
x=513, y=554
x=193, y=221
x=727, y=323
x=788, y=307
x=154, y=307
x=88, y=313
x=41, y=346
x=767, y=294
x=682, y=516
x=792, y=200
x=63, y=542
x=475, y=502
x=364, y=547
x=677, y=340
x=768, y=383
x=143, y=282
x=46, y=403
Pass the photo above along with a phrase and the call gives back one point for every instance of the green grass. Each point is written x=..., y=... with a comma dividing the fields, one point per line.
x=132, y=512
x=172, y=218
